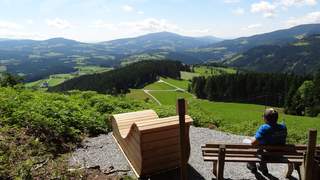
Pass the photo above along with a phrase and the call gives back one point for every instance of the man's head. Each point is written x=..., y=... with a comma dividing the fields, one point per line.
x=270, y=116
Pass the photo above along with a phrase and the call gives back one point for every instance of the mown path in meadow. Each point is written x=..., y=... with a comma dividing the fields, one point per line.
x=163, y=87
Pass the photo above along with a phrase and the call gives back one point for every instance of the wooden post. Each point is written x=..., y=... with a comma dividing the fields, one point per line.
x=181, y=108
x=309, y=160
x=221, y=158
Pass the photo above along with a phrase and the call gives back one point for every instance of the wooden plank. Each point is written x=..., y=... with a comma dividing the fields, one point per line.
x=248, y=146
x=247, y=159
x=309, y=161
x=254, y=152
x=151, y=127
x=160, y=151
x=250, y=155
x=181, y=111
x=149, y=130
x=159, y=144
x=159, y=135
x=136, y=113
x=132, y=167
x=160, y=121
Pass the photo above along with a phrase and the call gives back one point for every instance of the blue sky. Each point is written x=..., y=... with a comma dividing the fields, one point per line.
x=100, y=20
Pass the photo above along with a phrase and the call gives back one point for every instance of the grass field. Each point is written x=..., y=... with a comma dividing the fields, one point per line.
x=237, y=118
x=139, y=94
x=244, y=119
x=169, y=97
x=206, y=71
x=212, y=71
x=188, y=75
x=159, y=86
x=56, y=79
x=178, y=83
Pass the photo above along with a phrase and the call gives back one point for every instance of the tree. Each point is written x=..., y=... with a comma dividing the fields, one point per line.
x=8, y=80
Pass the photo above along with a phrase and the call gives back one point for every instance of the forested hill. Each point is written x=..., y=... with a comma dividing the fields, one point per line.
x=225, y=49
x=122, y=79
x=299, y=57
x=158, y=41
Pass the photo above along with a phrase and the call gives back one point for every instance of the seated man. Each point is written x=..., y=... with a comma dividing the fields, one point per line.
x=270, y=133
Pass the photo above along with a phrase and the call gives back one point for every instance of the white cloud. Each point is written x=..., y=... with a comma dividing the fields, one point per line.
x=288, y=3
x=9, y=25
x=150, y=25
x=127, y=8
x=239, y=11
x=231, y=1
x=29, y=21
x=140, y=12
x=58, y=23
x=14, y=34
x=313, y=17
x=102, y=24
x=253, y=26
x=264, y=7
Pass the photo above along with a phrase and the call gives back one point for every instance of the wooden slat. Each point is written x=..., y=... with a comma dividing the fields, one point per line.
x=159, y=144
x=160, y=151
x=247, y=159
x=159, y=129
x=151, y=127
x=163, y=120
x=248, y=146
x=253, y=152
x=250, y=155
x=135, y=119
x=160, y=135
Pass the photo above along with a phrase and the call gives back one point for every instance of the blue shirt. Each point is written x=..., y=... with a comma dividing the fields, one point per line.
x=272, y=134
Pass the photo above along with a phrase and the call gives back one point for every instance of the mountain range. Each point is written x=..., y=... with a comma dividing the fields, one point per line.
x=300, y=57
x=37, y=59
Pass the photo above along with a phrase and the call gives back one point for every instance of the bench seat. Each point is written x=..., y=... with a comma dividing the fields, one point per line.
x=293, y=155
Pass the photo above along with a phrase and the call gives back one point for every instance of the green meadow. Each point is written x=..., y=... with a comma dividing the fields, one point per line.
x=56, y=79
x=236, y=118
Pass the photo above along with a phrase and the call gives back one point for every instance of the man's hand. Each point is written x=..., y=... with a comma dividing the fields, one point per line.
x=254, y=142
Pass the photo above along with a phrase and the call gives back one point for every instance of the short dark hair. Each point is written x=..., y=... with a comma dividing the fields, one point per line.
x=271, y=115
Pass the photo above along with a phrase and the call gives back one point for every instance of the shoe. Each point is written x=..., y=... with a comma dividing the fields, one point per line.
x=263, y=168
x=252, y=167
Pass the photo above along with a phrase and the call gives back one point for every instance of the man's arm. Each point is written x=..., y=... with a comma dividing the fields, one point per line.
x=254, y=142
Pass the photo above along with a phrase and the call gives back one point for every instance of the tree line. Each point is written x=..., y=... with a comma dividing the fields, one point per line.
x=299, y=95
x=305, y=99
x=120, y=80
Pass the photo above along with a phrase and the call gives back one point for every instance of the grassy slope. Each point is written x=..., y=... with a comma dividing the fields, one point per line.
x=236, y=118
x=139, y=94
x=246, y=118
x=56, y=79
x=159, y=86
x=169, y=98
x=178, y=83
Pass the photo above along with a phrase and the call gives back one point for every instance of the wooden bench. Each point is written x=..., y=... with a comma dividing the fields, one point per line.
x=150, y=144
x=221, y=153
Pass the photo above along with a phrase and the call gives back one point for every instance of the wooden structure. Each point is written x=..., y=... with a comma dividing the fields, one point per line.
x=150, y=144
x=302, y=157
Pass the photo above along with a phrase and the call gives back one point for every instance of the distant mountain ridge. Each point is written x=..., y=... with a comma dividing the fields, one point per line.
x=35, y=59
x=227, y=48
x=158, y=41
x=300, y=57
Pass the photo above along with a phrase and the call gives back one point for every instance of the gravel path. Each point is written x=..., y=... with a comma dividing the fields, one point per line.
x=103, y=151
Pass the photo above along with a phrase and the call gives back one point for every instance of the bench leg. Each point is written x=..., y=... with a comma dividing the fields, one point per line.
x=221, y=158
x=214, y=168
x=290, y=170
